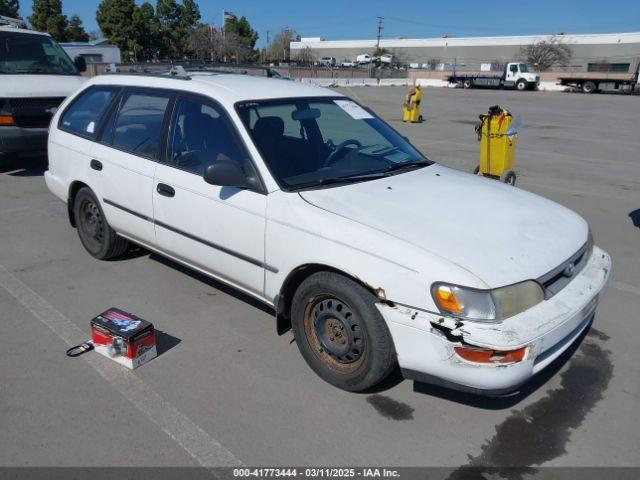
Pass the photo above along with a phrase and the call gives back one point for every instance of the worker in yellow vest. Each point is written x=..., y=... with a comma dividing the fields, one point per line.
x=411, y=105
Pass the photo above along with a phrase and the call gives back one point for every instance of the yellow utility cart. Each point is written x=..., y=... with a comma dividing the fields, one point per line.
x=411, y=105
x=498, y=134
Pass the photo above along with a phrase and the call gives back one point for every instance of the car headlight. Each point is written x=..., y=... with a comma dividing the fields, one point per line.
x=486, y=305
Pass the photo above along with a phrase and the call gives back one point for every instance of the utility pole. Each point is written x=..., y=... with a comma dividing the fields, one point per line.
x=379, y=35
x=268, y=32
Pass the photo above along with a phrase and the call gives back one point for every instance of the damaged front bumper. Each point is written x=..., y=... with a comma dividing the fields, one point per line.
x=425, y=341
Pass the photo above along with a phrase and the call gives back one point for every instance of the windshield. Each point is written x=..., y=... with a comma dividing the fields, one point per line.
x=311, y=142
x=524, y=68
x=33, y=54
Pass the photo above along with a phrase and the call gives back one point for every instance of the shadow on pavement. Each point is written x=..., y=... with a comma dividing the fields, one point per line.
x=23, y=166
x=635, y=217
x=165, y=342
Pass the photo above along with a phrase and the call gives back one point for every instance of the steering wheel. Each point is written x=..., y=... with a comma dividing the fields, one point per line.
x=331, y=158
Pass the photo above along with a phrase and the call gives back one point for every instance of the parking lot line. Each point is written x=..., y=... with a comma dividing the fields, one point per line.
x=204, y=449
x=625, y=287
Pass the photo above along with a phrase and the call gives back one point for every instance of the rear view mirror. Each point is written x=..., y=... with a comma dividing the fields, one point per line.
x=224, y=172
x=80, y=63
x=307, y=114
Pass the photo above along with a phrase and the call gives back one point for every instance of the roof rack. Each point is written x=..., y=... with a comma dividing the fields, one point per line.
x=183, y=71
x=177, y=72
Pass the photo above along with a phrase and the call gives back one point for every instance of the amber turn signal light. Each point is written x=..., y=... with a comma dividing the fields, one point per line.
x=484, y=355
x=6, y=121
x=447, y=300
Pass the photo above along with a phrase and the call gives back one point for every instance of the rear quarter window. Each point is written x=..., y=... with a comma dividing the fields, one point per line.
x=84, y=114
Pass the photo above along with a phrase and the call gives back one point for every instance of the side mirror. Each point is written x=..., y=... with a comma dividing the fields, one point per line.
x=224, y=172
x=80, y=63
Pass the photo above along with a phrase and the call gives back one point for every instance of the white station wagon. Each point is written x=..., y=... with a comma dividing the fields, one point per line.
x=373, y=254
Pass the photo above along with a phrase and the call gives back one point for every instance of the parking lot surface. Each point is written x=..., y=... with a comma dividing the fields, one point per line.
x=227, y=389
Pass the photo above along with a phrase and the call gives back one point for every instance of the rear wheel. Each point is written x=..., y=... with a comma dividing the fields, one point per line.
x=589, y=87
x=340, y=332
x=467, y=84
x=97, y=237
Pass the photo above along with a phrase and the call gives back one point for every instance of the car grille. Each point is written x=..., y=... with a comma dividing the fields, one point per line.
x=34, y=112
x=558, y=278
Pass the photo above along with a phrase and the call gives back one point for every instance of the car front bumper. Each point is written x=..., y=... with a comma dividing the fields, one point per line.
x=22, y=140
x=425, y=341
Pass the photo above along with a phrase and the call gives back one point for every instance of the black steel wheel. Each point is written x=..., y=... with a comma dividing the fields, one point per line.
x=340, y=332
x=97, y=237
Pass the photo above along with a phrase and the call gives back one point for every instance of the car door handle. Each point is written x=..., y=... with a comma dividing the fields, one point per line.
x=96, y=165
x=165, y=190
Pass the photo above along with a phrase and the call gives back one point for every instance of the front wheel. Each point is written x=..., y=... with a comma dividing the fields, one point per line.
x=589, y=87
x=340, y=332
x=522, y=85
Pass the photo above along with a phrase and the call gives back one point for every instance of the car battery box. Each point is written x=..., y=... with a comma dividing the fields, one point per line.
x=123, y=337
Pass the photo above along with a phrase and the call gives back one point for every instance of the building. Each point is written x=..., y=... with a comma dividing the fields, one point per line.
x=609, y=52
x=93, y=52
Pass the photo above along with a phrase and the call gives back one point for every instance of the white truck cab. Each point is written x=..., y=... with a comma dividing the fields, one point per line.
x=36, y=75
x=516, y=74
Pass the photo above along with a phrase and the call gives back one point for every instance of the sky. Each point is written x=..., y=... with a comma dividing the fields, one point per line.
x=356, y=19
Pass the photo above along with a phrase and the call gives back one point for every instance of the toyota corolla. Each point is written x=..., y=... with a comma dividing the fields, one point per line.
x=375, y=255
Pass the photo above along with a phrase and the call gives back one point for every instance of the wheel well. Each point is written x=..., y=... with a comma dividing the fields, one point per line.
x=292, y=282
x=73, y=191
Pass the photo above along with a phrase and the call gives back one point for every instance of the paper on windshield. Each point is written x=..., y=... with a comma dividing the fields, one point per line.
x=353, y=109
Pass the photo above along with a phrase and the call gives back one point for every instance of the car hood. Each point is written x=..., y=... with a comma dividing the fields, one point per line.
x=23, y=85
x=499, y=233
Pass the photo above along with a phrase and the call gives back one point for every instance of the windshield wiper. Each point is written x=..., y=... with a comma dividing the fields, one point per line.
x=337, y=180
x=406, y=165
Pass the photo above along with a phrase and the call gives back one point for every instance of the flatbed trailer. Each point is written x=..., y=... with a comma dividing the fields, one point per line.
x=592, y=82
x=514, y=75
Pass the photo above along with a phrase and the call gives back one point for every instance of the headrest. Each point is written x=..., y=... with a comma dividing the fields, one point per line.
x=268, y=126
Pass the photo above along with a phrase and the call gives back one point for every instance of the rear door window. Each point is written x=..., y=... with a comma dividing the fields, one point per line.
x=138, y=126
x=84, y=114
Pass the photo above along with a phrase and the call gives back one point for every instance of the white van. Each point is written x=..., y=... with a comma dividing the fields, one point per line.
x=363, y=58
x=36, y=75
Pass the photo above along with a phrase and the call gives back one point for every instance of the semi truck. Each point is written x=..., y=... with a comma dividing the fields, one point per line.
x=592, y=82
x=515, y=75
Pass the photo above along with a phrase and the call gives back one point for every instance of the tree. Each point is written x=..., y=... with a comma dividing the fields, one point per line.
x=378, y=52
x=278, y=48
x=304, y=56
x=116, y=21
x=205, y=43
x=240, y=33
x=546, y=53
x=75, y=31
x=147, y=31
x=10, y=8
x=47, y=17
x=175, y=23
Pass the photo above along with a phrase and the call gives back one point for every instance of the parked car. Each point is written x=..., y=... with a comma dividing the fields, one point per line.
x=363, y=59
x=327, y=62
x=307, y=201
x=348, y=64
x=35, y=76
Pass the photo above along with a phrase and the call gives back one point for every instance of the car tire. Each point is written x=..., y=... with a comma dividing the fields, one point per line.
x=467, y=84
x=522, y=85
x=589, y=87
x=96, y=235
x=340, y=332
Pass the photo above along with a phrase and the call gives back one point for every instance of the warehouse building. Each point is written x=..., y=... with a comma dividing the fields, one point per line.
x=618, y=52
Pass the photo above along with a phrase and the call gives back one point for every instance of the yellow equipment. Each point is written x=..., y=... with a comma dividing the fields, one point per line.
x=497, y=134
x=411, y=106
